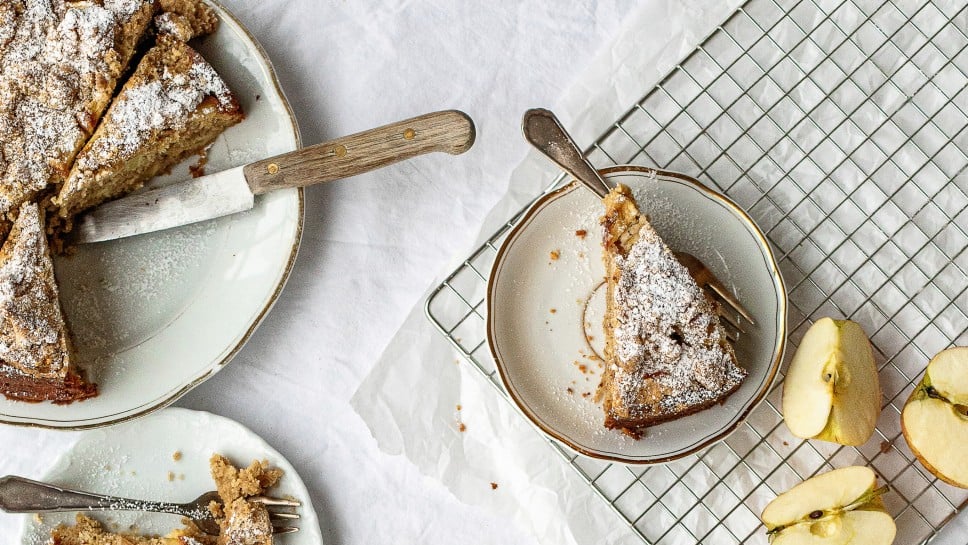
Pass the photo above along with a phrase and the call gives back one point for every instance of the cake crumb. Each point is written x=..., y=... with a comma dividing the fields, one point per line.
x=198, y=169
x=462, y=427
x=458, y=407
x=493, y=486
x=786, y=444
x=171, y=476
x=38, y=519
x=885, y=447
x=581, y=233
x=554, y=255
x=586, y=394
x=554, y=310
x=176, y=456
x=570, y=390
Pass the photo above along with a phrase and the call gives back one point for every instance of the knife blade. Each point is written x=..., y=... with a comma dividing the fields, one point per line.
x=234, y=190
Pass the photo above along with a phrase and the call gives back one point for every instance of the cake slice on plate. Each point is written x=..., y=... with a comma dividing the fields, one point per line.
x=35, y=350
x=173, y=106
x=666, y=353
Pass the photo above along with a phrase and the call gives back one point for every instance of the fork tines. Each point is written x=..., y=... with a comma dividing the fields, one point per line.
x=279, y=516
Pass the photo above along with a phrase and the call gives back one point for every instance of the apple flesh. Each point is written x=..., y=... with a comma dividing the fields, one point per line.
x=840, y=507
x=831, y=391
x=935, y=417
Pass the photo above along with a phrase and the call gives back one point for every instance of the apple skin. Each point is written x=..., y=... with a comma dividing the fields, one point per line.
x=840, y=507
x=832, y=390
x=934, y=420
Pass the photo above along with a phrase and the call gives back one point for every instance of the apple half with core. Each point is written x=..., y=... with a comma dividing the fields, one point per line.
x=935, y=417
x=840, y=507
x=831, y=391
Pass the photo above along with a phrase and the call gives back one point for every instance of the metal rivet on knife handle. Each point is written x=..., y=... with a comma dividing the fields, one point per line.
x=449, y=131
x=272, y=168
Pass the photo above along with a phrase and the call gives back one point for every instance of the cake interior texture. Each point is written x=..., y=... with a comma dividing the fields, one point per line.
x=666, y=352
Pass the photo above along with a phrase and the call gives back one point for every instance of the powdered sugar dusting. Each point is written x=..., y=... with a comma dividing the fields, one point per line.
x=668, y=331
x=141, y=111
x=57, y=70
x=31, y=324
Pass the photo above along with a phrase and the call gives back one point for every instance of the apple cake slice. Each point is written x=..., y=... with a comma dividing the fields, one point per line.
x=666, y=353
x=173, y=106
x=61, y=62
x=35, y=350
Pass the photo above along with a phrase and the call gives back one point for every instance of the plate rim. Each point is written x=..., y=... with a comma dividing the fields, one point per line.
x=756, y=400
x=214, y=366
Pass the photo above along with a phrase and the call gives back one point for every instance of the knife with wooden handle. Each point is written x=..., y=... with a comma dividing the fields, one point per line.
x=234, y=190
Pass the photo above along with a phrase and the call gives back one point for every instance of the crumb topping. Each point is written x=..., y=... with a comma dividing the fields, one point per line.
x=157, y=104
x=58, y=70
x=32, y=336
x=668, y=328
x=668, y=350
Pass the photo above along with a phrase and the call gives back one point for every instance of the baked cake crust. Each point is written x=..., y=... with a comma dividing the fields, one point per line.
x=666, y=352
x=35, y=351
x=173, y=106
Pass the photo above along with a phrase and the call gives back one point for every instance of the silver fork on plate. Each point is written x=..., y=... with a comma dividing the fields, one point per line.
x=543, y=131
x=20, y=495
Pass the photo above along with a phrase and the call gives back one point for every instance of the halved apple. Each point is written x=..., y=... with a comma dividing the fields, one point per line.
x=839, y=507
x=831, y=390
x=935, y=417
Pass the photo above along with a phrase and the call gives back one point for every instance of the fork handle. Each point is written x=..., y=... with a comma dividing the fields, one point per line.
x=20, y=495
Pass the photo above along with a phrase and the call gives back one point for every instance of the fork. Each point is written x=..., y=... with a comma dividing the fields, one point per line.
x=543, y=131
x=708, y=281
x=20, y=495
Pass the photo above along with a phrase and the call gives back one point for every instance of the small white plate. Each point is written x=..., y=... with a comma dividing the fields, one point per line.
x=134, y=460
x=155, y=315
x=543, y=295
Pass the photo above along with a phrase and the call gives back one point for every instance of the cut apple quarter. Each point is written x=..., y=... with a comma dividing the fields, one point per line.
x=831, y=391
x=935, y=417
x=839, y=507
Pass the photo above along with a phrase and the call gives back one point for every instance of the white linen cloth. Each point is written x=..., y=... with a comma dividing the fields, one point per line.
x=373, y=244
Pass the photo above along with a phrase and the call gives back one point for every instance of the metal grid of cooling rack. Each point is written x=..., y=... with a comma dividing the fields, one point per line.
x=840, y=126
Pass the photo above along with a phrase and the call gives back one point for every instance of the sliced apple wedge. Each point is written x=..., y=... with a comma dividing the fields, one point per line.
x=840, y=507
x=831, y=391
x=935, y=417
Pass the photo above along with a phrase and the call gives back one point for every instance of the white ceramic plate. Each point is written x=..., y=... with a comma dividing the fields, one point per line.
x=133, y=461
x=537, y=315
x=155, y=315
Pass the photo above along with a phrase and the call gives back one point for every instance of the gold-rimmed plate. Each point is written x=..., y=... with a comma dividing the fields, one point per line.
x=155, y=315
x=544, y=309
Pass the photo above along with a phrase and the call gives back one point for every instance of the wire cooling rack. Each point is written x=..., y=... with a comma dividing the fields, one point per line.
x=840, y=126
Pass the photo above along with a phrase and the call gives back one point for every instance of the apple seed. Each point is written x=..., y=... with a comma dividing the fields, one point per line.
x=816, y=514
